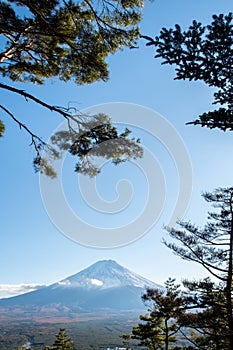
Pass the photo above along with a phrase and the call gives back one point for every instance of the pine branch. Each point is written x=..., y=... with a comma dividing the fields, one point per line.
x=37, y=142
x=27, y=96
x=191, y=341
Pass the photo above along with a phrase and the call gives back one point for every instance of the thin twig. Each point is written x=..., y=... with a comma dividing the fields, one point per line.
x=26, y=95
x=21, y=125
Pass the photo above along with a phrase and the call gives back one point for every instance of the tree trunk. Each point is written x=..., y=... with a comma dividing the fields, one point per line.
x=229, y=283
x=166, y=335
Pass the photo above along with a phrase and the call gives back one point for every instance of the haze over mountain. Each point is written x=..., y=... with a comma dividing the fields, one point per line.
x=105, y=285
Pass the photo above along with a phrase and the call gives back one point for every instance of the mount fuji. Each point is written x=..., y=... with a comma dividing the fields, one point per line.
x=105, y=274
x=103, y=286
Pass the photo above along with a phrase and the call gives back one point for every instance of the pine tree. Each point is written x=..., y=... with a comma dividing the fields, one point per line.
x=203, y=53
x=208, y=324
x=96, y=138
x=212, y=248
x=69, y=40
x=160, y=325
x=62, y=342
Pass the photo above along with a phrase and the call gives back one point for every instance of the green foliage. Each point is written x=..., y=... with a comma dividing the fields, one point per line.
x=209, y=246
x=63, y=342
x=94, y=137
x=160, y=324
x=68, y=39
x=212, y=248
x=126, y=340
x=210, y=329
x=2, y=128
x=104, y=331
x=87, y=140
x=203, y=53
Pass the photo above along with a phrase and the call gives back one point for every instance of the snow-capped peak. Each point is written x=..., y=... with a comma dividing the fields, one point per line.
x=106, y=274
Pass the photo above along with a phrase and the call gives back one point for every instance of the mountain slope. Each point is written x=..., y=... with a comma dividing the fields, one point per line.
x=104, y=285
x=105, y=274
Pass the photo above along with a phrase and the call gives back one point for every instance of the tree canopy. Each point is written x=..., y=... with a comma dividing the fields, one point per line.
x=212, y=248
x=66, y=39
x=203, y=53
x=208, y=324
x=160, y=325
x=201, y=312
x=62, y=342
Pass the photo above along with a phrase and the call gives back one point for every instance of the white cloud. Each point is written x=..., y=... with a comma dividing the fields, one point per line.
x=10, y=290
x=96, y=282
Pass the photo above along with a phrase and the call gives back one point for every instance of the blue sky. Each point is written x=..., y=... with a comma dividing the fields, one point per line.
x=32, y=249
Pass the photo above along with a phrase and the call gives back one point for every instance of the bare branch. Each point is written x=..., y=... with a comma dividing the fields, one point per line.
x=26, y=95
x=36, y=140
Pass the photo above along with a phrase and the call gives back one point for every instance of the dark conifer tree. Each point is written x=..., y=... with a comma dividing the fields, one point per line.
x=212, y=248
x=203, y=53
x=62, y=342
x=69, y=40
x=161, y=324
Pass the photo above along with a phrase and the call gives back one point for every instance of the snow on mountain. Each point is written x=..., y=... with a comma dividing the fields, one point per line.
x=105, y=274
x=105, y=285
